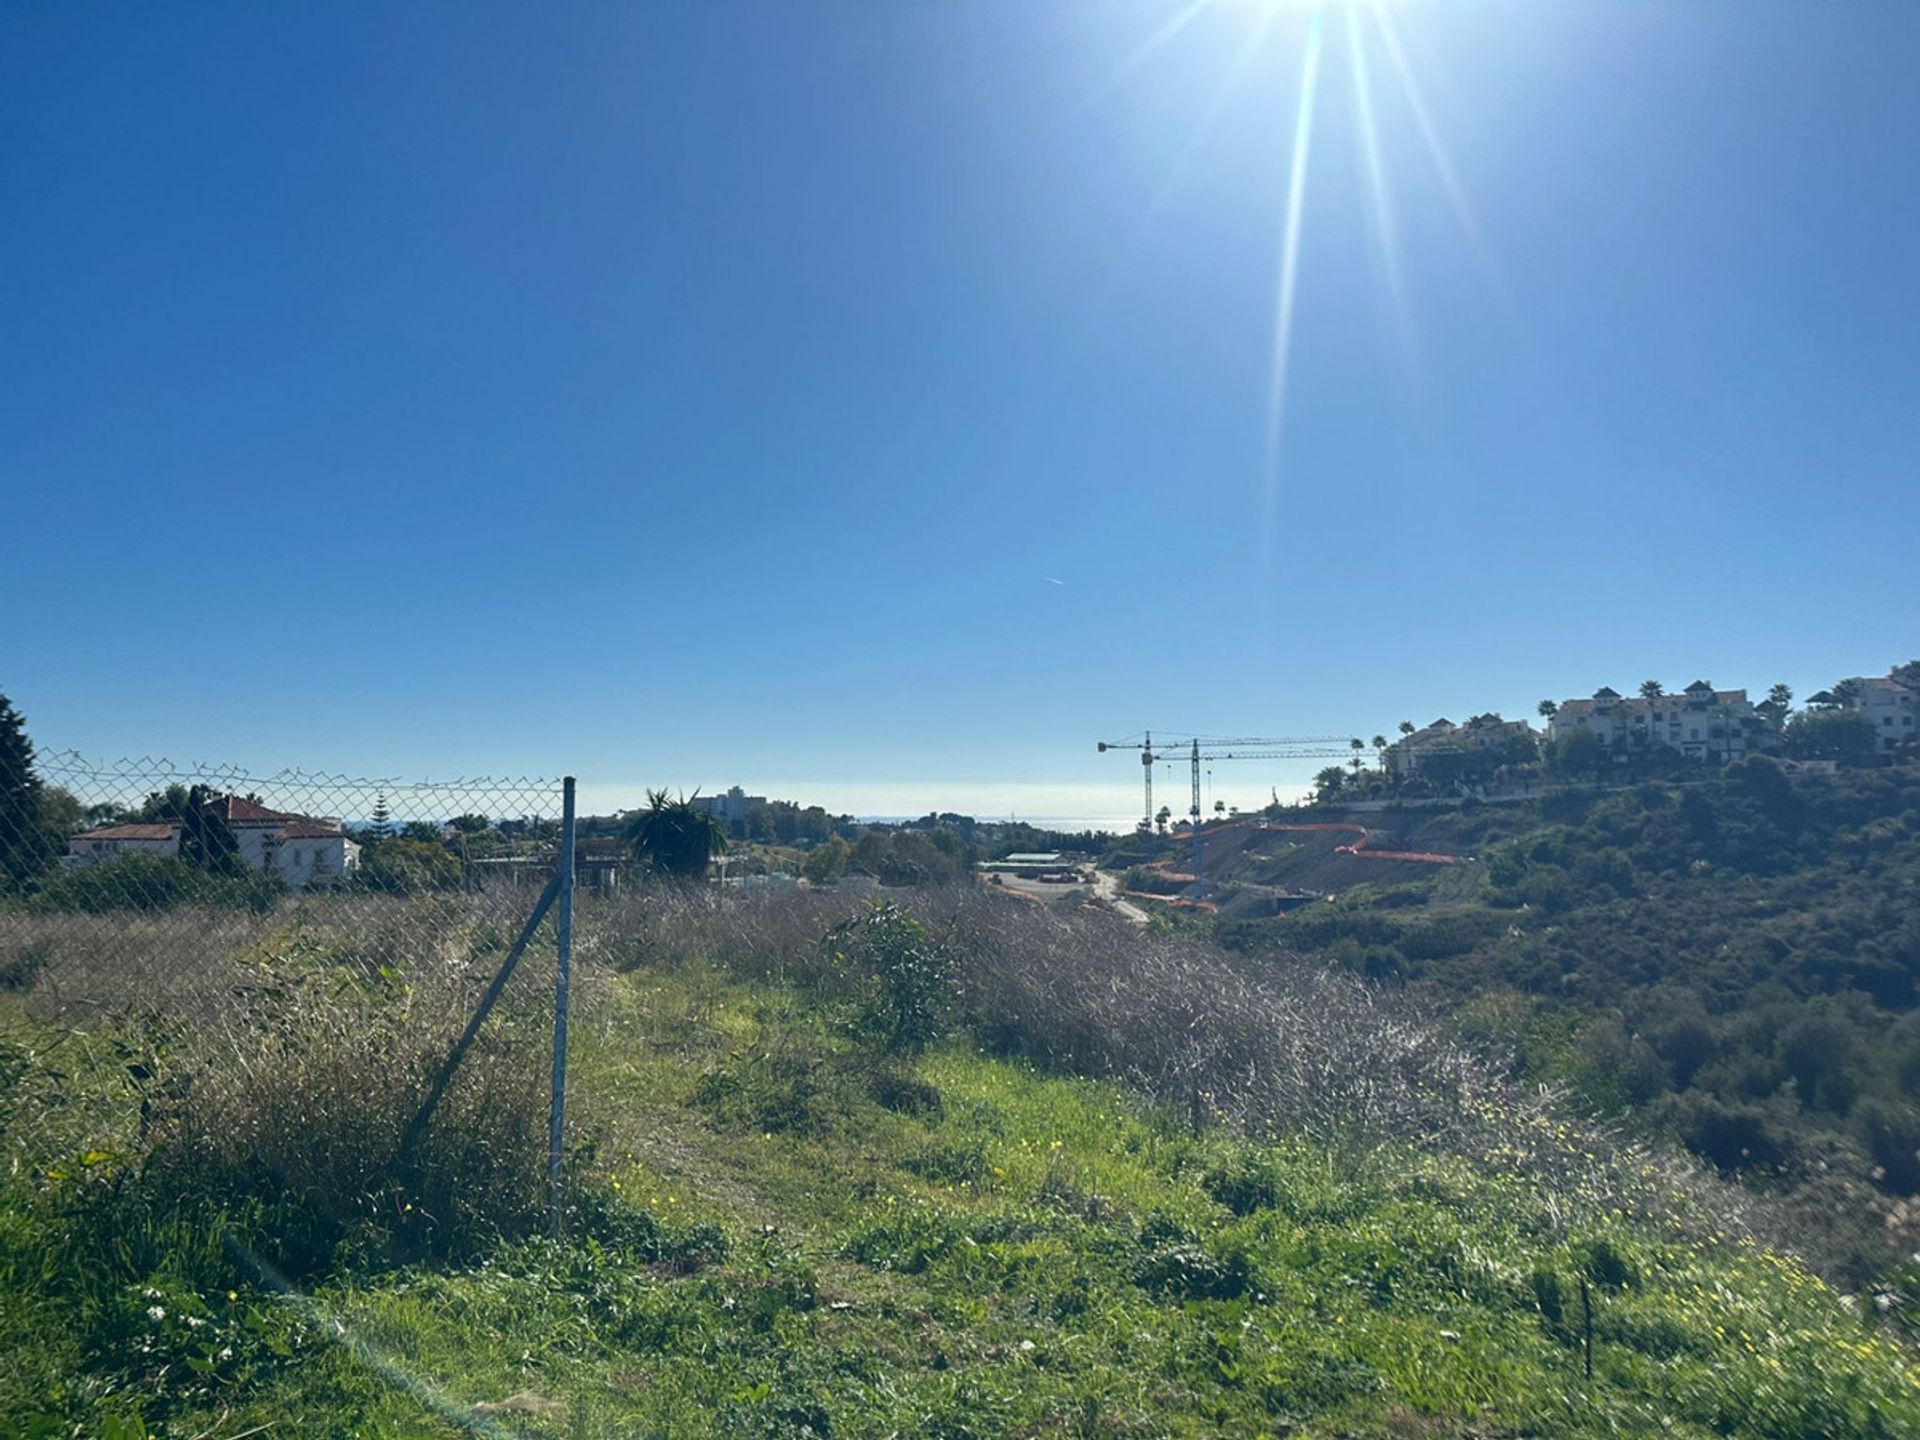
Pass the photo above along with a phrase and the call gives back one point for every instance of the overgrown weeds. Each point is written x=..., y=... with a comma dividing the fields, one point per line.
x=930, y=1240
x=263, y=1095
x=1268, y=1048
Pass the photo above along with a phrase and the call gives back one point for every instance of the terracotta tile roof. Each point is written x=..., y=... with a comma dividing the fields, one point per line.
x=129, y=832
x=238, y=811
x=309, y=830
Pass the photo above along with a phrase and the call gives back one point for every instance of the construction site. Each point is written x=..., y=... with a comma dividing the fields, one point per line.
x=1237, y=866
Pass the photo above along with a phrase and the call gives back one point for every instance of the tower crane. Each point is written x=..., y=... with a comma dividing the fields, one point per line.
x=1207, y=748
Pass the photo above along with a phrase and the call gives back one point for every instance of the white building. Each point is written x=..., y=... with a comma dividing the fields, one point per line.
x=309, y=852
x=730, y=808
x=1705, y=724
x=110, y=842
x=298, y=850
x=1480, y=734
x=1888, y=704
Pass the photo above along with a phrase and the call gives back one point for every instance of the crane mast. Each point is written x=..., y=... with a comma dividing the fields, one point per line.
x=1200, y=747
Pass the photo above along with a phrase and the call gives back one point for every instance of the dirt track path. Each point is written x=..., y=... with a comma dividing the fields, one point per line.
x=1107, y=886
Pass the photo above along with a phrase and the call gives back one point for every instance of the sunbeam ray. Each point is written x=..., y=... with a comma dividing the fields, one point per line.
x=1223, y=93
x=1289, y=271
x=1386, y=232
x=1436, y=147
x=1146, y=49
x=423, y=1391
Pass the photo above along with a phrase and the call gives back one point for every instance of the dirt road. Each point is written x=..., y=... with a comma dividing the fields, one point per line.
x=1106, y=885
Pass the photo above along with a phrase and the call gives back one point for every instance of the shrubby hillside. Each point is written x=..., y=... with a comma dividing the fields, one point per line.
x=946, y=1165
x=1733, y=962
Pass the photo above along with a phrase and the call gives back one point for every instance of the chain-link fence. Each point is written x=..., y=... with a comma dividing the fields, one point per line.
x=146, y=882
x=349, y=937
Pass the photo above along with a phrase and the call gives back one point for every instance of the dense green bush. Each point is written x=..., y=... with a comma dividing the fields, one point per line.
x=908, y=977
x=407, y=867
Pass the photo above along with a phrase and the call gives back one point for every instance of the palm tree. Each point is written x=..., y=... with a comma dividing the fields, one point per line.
x=1548, y=709
x=1162, y=818
x=1359, y=751
x=1776, y=707
x=1380, y=750
x=676, y=837
x=1406, y=727
x=1846, y=692
x=1651, y=689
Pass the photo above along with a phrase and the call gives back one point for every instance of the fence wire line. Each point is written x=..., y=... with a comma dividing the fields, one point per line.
x=195, y=888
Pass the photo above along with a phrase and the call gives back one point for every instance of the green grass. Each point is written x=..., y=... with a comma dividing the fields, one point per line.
x=781, y=1233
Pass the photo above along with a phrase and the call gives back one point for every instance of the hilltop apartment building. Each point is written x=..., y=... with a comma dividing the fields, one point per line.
x=1716, y=727
x=1890, y=706
x=1481, y=735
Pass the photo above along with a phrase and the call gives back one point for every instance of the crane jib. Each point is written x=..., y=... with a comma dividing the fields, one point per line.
x=1211, y=748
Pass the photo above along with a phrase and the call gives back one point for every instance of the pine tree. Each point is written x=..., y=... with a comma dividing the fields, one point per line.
x=381, y=827
x=206, y=839
x=23, y=845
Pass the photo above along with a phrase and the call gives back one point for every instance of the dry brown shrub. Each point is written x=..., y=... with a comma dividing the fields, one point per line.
x=272, y=1064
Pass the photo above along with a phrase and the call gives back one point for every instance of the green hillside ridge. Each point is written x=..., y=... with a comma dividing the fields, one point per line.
x=1732, y=962
x=831, y=1179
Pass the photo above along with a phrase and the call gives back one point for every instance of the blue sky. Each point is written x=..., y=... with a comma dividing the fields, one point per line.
x=697, y=393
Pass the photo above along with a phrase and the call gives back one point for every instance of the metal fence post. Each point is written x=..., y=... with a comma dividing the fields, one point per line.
x=418, y=1126
x=562, y=981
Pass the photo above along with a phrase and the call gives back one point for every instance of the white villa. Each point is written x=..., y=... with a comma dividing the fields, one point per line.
x=298, y=850
x=1482, y=732
x=110, y=842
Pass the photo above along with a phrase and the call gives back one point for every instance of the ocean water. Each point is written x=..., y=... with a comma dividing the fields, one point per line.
x=1114, y=824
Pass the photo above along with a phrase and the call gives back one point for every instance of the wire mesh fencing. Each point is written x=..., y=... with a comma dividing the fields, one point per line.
x=303, y=975
x=198, y=887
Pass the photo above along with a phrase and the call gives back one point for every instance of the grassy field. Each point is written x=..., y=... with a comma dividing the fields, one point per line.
x=800, y=1211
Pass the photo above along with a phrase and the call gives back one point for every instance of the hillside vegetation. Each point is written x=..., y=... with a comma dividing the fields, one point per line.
x=973, y=1169
x=1731, y=962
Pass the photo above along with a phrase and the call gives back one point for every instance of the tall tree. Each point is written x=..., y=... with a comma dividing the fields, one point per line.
x=1329, y=783
x=206, y=839
x=1406, y=727
x=1777, y=706
x=1380, y=750
x=1548, y=708
x=1359, y=753
x=1651, y=689
x=1843, y=735
x=676, y=838
x=23, y=848
x=380, y=826
x=827, y=861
